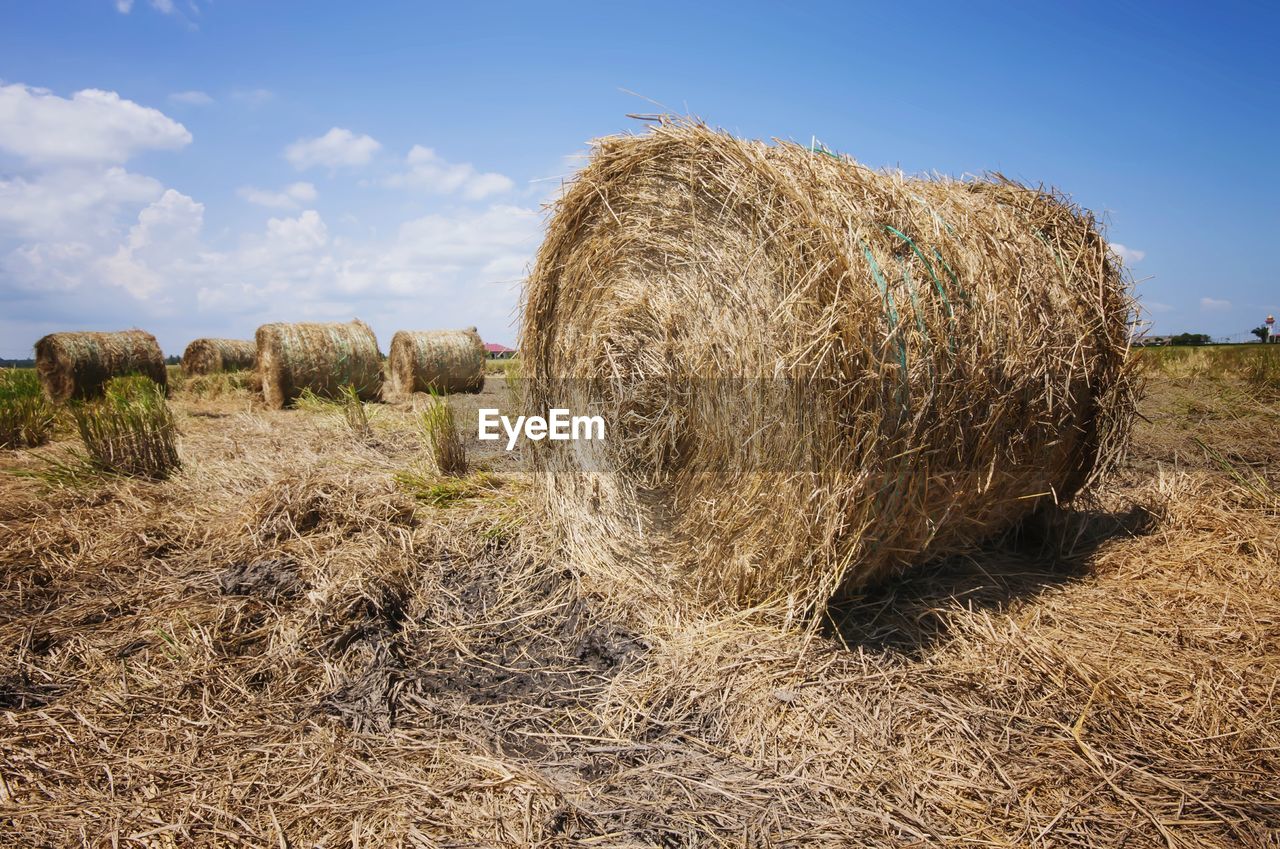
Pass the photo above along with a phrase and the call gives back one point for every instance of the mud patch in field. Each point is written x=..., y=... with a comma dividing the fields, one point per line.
x=270, y=580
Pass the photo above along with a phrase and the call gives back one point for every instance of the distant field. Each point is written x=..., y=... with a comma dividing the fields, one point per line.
x=1258, y=365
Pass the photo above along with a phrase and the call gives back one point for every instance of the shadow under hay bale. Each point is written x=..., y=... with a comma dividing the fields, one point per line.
x=912, y=613
x=435, y=361
x=210, y=356
x=78, y=365
x=813, y=374
x=322, y=357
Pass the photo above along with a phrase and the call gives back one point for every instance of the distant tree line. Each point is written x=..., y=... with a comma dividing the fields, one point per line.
x=27, y=363
x=1190, y=339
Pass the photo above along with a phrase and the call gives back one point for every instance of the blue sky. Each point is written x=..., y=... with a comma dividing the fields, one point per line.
x=198, y=168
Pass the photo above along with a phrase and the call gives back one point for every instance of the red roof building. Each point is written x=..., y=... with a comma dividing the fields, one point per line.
x=499, y=352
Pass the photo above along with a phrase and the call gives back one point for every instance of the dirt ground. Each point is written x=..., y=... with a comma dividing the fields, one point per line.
x=285, y=646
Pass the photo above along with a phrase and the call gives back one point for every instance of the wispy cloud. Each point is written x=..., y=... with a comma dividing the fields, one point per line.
x=191, y=98
x=1214, y=305
x=291, y=197
x=252, y=96
x=335, y=149
x=1129, y=255
x=428, y=171
x=124, y=7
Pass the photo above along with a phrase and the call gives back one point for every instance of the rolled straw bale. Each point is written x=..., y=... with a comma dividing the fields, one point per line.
x=209, y=356
x=78, y=364
x=322, y=357
x=812, y=374
x=435, y=360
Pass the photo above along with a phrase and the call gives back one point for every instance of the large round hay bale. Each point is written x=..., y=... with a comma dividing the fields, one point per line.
x=77, y=364
x=210, y=356
x=435, y=361
x=323, y=357
x=812, y=374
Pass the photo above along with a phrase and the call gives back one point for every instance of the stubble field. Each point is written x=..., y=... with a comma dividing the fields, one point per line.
x=304, y=639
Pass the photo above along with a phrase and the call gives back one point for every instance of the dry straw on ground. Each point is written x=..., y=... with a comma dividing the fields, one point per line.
x=435, y=361
x=277, y=647
x=209, y=356
x=322, y=357
x=78, y=365
x=815, y=374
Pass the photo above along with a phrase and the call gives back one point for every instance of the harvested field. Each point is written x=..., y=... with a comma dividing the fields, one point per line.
x=283, y=646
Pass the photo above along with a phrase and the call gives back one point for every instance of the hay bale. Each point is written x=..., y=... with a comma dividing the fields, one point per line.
x=322, y=357
x=210, y=356
x=813, y=374
x=435, y=361
x=77, y=365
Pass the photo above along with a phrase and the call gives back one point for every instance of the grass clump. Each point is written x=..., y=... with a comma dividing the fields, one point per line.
x=347, y=405
x=130, y=431
x=446, y=491
x=440, y=433
x=26, y=416
x=441, y=479
x=220, y=384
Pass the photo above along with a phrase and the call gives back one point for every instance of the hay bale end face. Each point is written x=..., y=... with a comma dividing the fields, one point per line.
x=322, y=357
x=210, y=356
x=78, y=364
x=813, y=374
x=435, y=361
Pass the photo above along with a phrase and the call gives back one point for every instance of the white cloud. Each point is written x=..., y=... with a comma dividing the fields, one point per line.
x=163, y=6
x=1214, y=305
x=291, y=197
x=124, y=6
x=471, y=262
x=90, y=126
x=71, y=203
x=164, y=241
x=191, y=98
x=337, y=148
x=1129, y=255
x=427, y=171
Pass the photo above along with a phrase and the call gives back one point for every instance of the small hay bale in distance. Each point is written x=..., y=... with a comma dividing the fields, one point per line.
x=76, y=365
x=321, y=356
x=813, y=374
x=210, y=356
x=435, y=361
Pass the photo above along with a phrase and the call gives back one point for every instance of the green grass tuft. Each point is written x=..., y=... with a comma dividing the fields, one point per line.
x=440, y=433
x=130, y=431
x=446, y=491
x=26, y=417
x=347, y=405
x=218, y=385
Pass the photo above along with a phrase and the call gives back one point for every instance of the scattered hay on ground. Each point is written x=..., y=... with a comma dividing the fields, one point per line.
x=282, y=646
